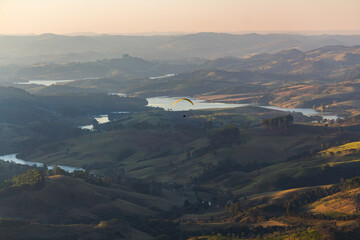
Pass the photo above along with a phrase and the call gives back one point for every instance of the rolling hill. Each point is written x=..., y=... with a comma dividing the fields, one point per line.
x=71, y=208
x=59, y=48
x=324, y=62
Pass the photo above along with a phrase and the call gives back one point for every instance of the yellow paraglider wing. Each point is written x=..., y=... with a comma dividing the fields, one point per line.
x=185, y=100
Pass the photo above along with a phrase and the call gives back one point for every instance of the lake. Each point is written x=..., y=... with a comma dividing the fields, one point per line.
x=51, y=82
x=163, y=76
x=306, y=111
x=101, y=119
x=118, y=94
x=167, y=104
x=14, y=159
x=44, y=82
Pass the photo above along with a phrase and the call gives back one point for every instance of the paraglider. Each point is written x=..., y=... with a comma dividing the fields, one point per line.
x=186, y=99
x=183, y=99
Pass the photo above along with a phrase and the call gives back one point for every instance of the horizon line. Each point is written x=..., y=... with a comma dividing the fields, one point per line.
x=181, y=33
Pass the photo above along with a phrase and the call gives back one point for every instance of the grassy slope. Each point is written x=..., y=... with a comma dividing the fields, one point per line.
x=261, y=145
x=160, y=151
x=69, y=200
x=148, y=162
x=33, y=230
x=339, y=204
x=71, y=207
x=336, y=205
x=346, y=149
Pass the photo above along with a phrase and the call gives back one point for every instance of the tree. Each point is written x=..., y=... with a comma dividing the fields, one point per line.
x=225, y=136
x=58, y=171
x=235, y=208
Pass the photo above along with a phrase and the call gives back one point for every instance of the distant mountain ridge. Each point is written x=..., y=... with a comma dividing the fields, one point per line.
x=61, y=48
x=126, y=67
x=328, y=61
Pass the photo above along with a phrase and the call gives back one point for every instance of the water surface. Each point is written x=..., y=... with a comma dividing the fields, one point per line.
x=14, y=159
x=167, y=104
x=163, y=76
x=44, y=82
x=101, y=119
x=51, y=82
x=306, y=111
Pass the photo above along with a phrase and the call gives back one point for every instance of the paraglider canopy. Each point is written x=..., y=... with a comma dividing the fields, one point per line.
x=185, y=100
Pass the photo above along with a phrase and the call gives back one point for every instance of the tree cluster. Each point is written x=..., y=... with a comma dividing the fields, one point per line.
x=225, y=136
x=349, y=184
x=278, y=123
x=31, y=179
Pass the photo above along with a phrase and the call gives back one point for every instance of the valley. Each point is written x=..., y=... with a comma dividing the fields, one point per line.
x=270, y=149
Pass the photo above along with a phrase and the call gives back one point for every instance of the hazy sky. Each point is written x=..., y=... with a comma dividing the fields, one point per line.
x=134, y=16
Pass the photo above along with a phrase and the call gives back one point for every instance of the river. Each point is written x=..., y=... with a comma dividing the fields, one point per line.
x=14, y=159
